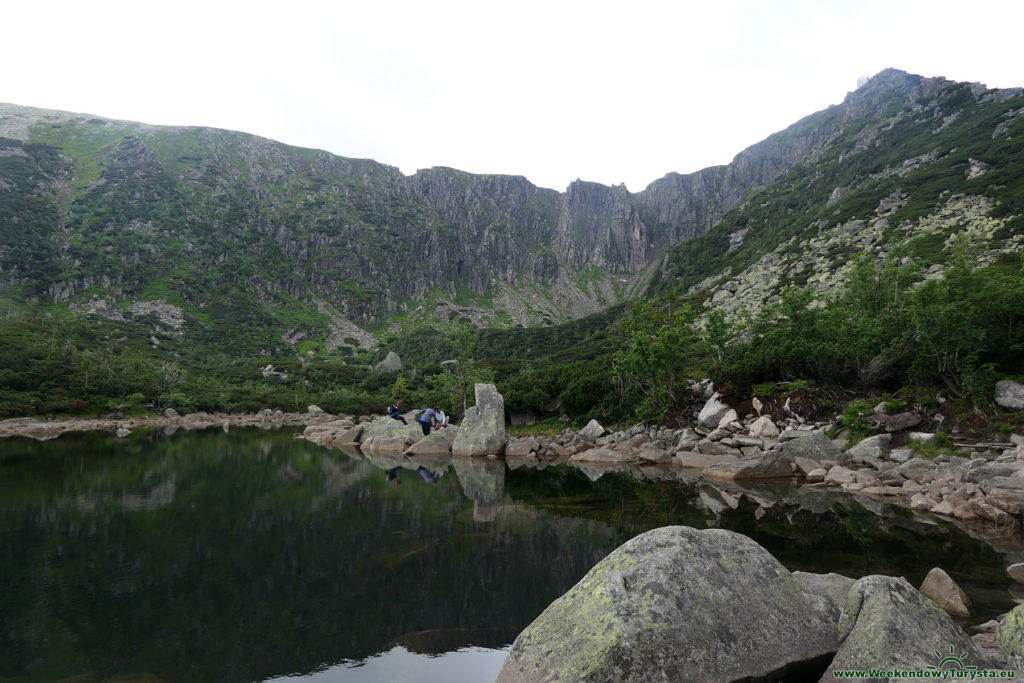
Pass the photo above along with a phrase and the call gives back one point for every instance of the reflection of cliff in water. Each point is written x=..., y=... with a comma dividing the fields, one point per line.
x=265, y=560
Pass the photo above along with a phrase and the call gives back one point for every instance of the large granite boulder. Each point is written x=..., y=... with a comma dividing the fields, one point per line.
x=483, y=429
x=815, y=445
x=1010, y=394
x=767, y=465
x=437, y=442
x=387, y=436
x=677, y=604
x=712, y=412
x=887, y=625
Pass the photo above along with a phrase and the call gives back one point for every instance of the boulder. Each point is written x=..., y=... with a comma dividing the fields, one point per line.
x=815, y=445
x=438, y=442
x=763, y=428
x=651, y=452
x=386, y=436
x=593, y=431
x=521, y=447
x=314, y=409
x=483, y=429
x=1010, y=634
x=833, y=586
x=1016, y=572
x=768, y=465
x=601, y=454
x=1010, y=394
x=712, y=412
x=896, y=422
x=353, y=435
x=700, y=460
x=887, y=625
x=872, y=447
x=711, y=603
x=943, y=591
x=391, y=363
x=840, y=475
x=171, y=413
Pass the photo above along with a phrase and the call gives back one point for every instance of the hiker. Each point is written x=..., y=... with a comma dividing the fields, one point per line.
x=427, y=418
x=442, y=419
x=393, y=412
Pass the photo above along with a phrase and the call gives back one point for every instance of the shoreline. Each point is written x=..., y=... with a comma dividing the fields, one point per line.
x=44, y=430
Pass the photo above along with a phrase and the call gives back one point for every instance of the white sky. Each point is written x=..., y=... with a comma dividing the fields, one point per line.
x=553, y=90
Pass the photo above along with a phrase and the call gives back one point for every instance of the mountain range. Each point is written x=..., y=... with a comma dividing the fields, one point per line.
x=241, y=244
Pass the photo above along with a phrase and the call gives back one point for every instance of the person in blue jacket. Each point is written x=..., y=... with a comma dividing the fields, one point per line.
x=427, y=419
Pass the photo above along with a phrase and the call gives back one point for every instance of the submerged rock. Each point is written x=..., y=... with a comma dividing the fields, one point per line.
x=677, y=604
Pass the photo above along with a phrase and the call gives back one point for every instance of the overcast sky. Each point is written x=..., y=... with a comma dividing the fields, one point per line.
x=610, y=92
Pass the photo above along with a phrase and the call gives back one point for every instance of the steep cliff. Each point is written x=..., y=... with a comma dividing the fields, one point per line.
x=218, y=222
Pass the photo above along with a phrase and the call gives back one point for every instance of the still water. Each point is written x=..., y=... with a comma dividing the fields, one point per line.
x=255, y=556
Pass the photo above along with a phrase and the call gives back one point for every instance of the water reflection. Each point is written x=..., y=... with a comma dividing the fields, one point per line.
x=246, y=556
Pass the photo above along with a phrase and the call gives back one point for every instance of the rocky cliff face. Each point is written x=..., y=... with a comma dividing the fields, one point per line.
x=194, y=214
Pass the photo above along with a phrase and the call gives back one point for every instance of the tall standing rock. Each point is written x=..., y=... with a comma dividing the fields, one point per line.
x=482, y=431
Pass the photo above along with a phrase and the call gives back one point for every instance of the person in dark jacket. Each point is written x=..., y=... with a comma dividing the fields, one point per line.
x=393, y=412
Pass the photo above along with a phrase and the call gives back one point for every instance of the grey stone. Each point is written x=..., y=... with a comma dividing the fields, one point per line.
x=171, y=413
x=711, y=603
x=437, y=442
x=521, y=447
x=708, y=447
x=763, y=428
x=896, y=422
x=839, y=475
x=601, y=454
x=833, y=586
x=693, y=459
x=593, y=431
x=872, y=447
x=1010, y=394
x=391, y=363
x=888, y=625
x=768, y=465
x=712, y=412
x=918, y=470
x=482, y=431
x=811, y=445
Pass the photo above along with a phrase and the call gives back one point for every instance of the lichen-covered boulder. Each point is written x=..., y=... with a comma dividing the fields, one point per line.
x=482, y=431
x=676, y=604
x=437, y=442
x=887, y=625
x=1010, y=634
x=388, y=436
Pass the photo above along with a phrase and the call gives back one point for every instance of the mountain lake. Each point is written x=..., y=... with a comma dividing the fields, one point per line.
x=254, y=555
